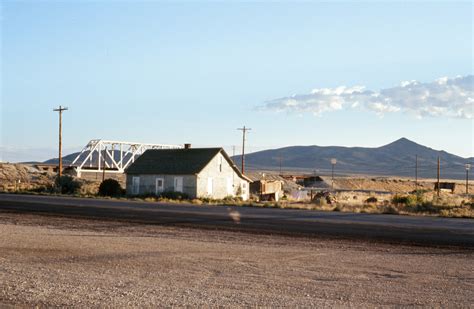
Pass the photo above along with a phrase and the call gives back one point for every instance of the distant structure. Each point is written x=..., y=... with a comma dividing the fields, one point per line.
x=111, y=156
x=445, y=186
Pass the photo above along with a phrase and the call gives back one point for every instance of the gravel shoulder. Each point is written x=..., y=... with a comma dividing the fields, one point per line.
x=53, y=261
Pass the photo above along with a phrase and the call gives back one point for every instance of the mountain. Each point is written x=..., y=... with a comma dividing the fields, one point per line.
x=66, y=159
x=394, y=159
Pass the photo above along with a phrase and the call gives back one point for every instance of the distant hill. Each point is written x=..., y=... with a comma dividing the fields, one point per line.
x=66, y=159
x=394, y=159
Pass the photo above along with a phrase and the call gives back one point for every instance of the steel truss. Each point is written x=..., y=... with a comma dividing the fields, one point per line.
x=112, y=156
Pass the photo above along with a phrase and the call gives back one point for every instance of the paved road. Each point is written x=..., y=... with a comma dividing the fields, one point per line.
x=422, y=230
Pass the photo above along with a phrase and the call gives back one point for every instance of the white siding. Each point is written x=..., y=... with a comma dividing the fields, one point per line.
x=225, y=181
x=148, y=184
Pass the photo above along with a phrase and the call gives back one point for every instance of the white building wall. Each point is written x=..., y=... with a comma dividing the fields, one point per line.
x=148, y=184
x=220, y=175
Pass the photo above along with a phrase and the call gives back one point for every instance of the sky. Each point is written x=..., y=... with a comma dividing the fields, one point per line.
x=297, y=73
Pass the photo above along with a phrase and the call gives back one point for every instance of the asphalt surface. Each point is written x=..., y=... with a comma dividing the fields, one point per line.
x=391, y=228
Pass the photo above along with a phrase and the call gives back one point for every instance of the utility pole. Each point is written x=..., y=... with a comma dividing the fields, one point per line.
x=233, y=156
x=468, y=166
x=103, y=166
x=333, y=163
x=438, y=176
x=280, y=163
x=416, y=172
x=60, y=111
x=244, y=130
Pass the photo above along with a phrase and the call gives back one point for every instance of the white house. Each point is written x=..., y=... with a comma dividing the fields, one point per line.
x=197, y=172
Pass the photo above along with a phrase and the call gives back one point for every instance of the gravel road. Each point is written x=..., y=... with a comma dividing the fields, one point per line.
x=53, y=261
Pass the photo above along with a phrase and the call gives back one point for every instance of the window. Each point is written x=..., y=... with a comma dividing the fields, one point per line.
x=244, y=188
x=178, y=184
x=135, y=185
x=209, y=186
x=220, y=163
x=159, y=185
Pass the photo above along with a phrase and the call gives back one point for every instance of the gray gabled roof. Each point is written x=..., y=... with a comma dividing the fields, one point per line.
x=177, y=161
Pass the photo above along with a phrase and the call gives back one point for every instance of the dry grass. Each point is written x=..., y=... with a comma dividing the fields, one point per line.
x=423, y=204
x=426, y=204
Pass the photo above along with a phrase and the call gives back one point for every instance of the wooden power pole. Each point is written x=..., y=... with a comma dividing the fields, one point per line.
x=438, y=175
x=244, y=131
x=416, y=172
x=281, y=158
x=60, y=110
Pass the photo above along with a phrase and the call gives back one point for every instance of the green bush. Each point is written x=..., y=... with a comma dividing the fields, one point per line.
x=406, y=200
x=67, y=184
x=391, y=210
x=42, y=189
x=110, y=187
x=174, y=195
x=371, y=200
x=230, y=200
x=320, y=201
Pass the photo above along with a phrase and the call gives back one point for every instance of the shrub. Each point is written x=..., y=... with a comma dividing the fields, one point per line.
x=391, y=210
x=174, y=195
x=110, y=187
x=406, y=200
x=371, y=200
x=196, y=201
x=320, y=201
x=67, y=184
x=41, y=189
x=420, y=191
x=231, y=200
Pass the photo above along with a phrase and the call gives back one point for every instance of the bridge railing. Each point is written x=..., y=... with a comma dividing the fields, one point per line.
x=112, y=156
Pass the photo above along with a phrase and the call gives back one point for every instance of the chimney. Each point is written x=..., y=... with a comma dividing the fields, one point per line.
x=187, y=146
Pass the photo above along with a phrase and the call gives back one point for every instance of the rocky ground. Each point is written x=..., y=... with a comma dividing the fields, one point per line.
x=21, y=176
x=49, y=261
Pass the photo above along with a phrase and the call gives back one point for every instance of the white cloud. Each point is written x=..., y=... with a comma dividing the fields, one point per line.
x=445, y=97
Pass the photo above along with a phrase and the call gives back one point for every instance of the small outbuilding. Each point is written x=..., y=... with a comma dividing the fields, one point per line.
x=197, y=172
x=267, y=190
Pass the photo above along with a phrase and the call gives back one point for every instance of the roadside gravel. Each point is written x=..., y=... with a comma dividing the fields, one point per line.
x=50, y=261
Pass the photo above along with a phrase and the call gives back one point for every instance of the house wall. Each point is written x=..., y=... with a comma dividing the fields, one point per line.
x=148, y=184
x=219, y=180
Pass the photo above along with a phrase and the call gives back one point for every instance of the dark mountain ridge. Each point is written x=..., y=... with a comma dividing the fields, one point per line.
x=395, y=159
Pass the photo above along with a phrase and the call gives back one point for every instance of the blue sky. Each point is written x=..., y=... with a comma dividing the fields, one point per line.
x=176, y=72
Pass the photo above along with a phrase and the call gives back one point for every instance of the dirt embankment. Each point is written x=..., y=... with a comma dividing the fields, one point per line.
x=26, y=177
x=23, y=177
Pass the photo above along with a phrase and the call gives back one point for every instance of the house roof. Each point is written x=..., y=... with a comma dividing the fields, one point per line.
x=177, y=161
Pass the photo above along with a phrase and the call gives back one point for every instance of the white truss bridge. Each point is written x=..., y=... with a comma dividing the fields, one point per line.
x=111, y=156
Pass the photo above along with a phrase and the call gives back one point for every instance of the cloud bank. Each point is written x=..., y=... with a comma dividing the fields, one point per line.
x=445, y=97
